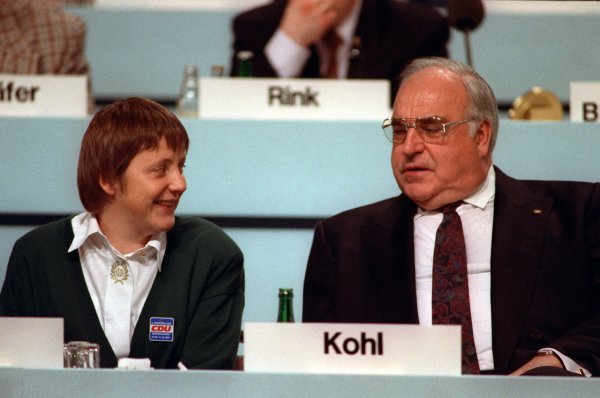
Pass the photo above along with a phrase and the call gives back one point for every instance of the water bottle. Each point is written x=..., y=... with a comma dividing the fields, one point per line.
x=187, y=103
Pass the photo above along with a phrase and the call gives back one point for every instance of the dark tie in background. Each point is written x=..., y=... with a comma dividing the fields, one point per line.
x=450, y=300
x=332, y=42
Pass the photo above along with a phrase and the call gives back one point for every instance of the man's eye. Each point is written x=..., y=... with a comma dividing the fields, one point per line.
x=400, y=129
x=431, y=127
x=399, y=133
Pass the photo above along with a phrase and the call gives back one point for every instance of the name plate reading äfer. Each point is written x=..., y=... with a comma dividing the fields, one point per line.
x=352, y=348
x=43, y=95
x=585, y=102
x=303, y=99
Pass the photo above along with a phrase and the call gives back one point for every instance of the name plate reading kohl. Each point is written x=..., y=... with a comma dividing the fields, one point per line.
x=300, y=99
x=585, y=102
x=352, y=348
x=43, y=95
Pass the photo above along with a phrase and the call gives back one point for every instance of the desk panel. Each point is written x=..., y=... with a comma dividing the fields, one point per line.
x=233, y=168
x=26, y=383
x=248, y=168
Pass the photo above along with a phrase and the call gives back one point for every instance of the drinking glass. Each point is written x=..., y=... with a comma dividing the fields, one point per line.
x=81, y=354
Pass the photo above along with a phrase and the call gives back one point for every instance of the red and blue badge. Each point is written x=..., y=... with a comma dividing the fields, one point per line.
x=162, y=329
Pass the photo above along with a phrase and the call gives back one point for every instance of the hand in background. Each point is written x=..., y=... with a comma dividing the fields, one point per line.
x=307, y=21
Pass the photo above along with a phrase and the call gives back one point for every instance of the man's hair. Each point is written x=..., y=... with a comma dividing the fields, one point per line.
x=115, y=135
x=482, y=100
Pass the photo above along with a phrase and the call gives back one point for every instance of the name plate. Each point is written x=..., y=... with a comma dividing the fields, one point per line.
x=585, y=102
x=352, y=348
x=43, y=95
x=31, y=342
x=304, y=99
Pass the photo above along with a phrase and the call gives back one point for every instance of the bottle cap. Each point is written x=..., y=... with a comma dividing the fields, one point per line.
x=217, y=70
x=245, y=55
x=190, y=69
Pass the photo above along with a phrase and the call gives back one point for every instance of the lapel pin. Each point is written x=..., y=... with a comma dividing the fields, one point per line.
x=537, y=211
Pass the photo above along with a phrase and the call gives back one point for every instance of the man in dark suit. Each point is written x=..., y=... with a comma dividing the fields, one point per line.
x=378, y=37
x=532, y=247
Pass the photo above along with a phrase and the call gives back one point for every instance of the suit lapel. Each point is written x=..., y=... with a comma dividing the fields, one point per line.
x=520, y=219
x=391, y=252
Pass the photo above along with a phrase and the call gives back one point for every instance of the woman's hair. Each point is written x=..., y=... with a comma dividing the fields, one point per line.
x=115, y=135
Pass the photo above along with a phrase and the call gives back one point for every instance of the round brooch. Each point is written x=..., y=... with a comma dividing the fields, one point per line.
x=119, y=271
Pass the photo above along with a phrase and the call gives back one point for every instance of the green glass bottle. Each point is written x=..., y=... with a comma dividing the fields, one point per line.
x=286, y=305
x=245, y=63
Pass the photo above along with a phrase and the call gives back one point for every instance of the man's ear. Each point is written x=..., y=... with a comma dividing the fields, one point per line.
x=110, y=188
x=483, y=136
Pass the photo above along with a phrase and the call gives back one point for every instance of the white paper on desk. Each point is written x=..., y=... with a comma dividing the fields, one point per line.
x=31, y=342
x=357, y=349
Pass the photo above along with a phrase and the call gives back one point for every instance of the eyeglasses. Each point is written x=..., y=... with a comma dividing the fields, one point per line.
x=431, y=129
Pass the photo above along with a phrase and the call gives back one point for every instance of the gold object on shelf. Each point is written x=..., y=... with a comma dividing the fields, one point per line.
x=537, y=104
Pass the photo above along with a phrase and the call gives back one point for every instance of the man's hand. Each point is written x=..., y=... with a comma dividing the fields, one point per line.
x=307, y=21
x=537, y=361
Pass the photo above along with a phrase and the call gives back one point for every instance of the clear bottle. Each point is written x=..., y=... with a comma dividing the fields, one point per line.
x=187, y=103
x=286, y=305
x=245, y=63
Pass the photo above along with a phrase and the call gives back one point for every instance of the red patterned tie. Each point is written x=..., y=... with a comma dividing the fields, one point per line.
x=450, y=300
x=332, y=42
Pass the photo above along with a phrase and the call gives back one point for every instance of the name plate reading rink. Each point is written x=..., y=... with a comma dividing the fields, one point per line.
x=304, y=99
x=352, y=348
x=43, y=95
x=585, y=102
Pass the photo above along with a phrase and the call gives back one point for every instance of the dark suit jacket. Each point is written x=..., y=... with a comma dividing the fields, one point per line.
x=390, y=35
x=545, y=269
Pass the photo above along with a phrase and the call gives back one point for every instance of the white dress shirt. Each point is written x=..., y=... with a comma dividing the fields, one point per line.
x=477, y=216
x=288, y=58
x=97, y=256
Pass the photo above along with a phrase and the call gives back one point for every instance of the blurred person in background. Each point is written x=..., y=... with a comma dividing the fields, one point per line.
x=371, y=39
x=39, y=37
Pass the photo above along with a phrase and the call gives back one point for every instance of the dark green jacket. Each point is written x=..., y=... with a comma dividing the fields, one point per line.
x=200, y=286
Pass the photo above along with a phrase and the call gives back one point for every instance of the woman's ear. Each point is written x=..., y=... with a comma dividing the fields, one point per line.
x=110, y=188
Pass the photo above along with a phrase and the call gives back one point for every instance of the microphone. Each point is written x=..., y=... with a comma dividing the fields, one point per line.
x=466, y=16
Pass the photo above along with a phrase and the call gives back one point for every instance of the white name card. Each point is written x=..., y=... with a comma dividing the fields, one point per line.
x=304, y=99
x=31, y=342
x=43, y=95
x=352, y=348
x=585, y=102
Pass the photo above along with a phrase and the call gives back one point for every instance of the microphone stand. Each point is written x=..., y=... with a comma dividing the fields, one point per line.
x=468, y=47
